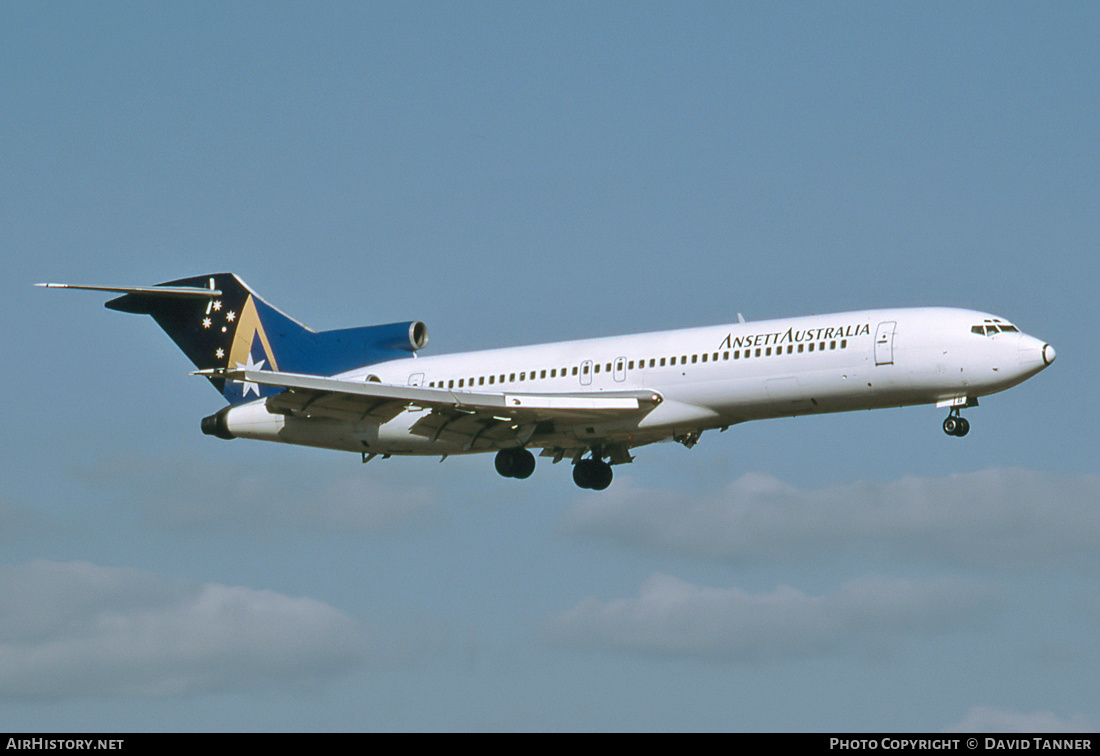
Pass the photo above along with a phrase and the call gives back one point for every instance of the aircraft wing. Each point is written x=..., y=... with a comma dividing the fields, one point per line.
x=473, y=419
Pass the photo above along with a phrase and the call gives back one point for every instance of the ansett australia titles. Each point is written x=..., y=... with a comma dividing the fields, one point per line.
x=795, y=336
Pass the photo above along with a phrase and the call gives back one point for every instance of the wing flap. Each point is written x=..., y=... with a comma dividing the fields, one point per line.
x=306, y=403
x=471, y=419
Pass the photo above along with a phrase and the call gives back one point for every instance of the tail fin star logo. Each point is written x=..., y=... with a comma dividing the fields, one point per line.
x=250, y=349
x=247, y=386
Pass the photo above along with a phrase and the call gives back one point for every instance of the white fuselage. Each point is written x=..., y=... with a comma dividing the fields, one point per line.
x=708, y=377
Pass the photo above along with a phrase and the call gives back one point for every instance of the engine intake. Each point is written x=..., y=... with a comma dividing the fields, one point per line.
x=409, y=336
x=418, y=335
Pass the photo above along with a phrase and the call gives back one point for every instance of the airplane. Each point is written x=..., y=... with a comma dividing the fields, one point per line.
x=592, y=401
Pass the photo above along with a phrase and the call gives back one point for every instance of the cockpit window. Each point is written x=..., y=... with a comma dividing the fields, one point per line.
x=989, y=329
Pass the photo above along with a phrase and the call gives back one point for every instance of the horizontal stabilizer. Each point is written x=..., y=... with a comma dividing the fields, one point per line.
x=162, y=291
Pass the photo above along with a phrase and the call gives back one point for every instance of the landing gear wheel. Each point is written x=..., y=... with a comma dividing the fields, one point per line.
x=504, y=462
x=525, y=464
x=583, y=473
x=956, y=426
x=603, y=476
x=594, y=474
x=515, y=463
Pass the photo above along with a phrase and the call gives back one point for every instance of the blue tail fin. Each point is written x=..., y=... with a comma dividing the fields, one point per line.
x=236, y=328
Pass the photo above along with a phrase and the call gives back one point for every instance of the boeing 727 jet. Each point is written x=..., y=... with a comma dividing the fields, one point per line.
x=366, y=390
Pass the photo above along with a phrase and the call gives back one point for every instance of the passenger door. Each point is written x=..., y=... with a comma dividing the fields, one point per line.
x=884, y=342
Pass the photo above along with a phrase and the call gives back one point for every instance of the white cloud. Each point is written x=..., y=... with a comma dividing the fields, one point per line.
x=79, y=630
x=997, y=517
x=989, y=719
x=674, y=617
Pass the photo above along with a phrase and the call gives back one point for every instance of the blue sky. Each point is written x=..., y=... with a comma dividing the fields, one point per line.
x=512, y=173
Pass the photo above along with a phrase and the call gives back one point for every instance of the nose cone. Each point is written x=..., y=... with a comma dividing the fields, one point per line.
x=1034, y=354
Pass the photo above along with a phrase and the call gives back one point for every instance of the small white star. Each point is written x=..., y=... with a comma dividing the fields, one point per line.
x=206, y=322
x=217, y=304
x=220, y=353
x=231, y=316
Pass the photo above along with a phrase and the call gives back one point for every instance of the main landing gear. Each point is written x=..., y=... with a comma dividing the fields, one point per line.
x=515, y=463
x=956, y=424
x=592, y=473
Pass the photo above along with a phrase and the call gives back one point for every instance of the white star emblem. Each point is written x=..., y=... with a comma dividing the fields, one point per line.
x=231, y=316
x=220, y=353
x=249, y=385
x=206, y=322
x=217, y=304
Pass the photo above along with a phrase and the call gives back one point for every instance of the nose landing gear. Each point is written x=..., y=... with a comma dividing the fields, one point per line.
x=956, y=424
